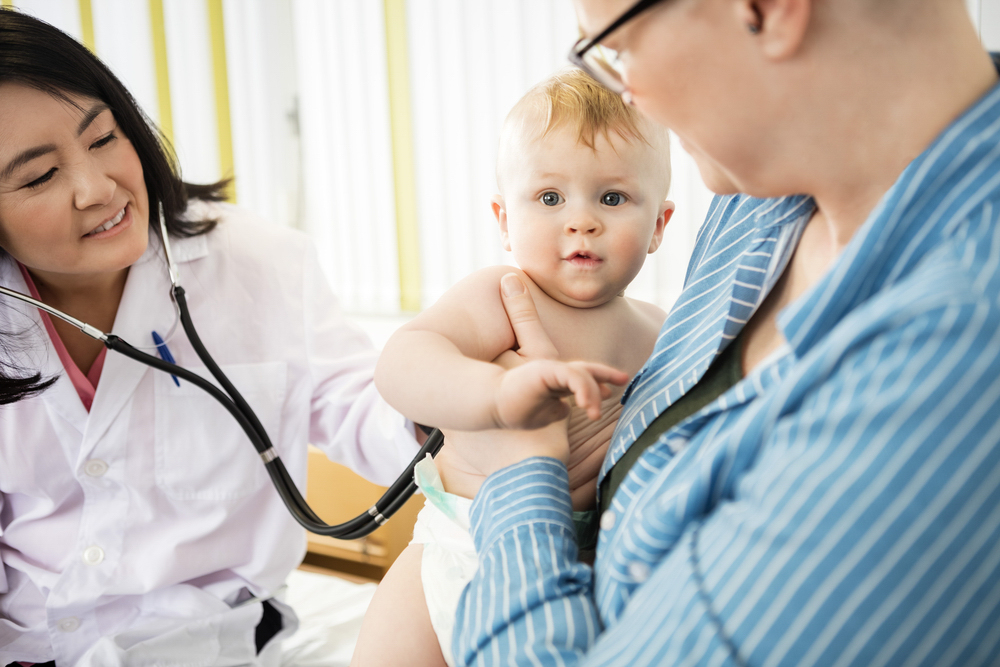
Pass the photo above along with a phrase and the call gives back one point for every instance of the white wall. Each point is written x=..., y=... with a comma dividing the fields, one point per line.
x=986, y=16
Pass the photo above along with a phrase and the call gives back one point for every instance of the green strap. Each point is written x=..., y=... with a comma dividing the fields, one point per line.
x=725, y=371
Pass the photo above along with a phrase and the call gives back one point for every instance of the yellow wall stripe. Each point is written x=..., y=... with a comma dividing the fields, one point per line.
x=159, y=40
x=87, y=25
x=217, y=30
x=407, y=232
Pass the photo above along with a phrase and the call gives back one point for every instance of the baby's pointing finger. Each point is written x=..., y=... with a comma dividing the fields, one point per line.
x=602, y=373
x=586, y=391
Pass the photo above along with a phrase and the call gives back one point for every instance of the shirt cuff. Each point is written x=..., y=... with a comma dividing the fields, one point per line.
x=534, y=491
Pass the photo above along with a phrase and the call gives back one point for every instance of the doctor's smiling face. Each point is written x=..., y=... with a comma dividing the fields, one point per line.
x=73, y=201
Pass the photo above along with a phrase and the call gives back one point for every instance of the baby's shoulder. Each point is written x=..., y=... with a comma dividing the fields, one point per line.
x=627, y=316
x=484, y=287
x=631, y=331
x=487, y=280
x=646, y=314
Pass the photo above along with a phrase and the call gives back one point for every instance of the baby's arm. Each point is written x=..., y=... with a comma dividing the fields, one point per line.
x=437, y=368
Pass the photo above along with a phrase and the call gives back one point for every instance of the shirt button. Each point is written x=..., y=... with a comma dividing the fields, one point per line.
x=608, y=520
x=639, y=571
x=68, y=624
x=95, y=467
x=93, y=555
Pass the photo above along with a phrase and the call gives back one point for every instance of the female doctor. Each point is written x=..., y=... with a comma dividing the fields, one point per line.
x=137, y=524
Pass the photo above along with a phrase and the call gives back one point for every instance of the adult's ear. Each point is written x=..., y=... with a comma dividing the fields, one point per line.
x=500, y=213
x=778, y=26
x=663, y=217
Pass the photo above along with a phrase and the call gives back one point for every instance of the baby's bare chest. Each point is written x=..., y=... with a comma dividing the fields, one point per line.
x=620, y=337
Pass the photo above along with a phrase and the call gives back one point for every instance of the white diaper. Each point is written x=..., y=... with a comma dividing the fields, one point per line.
x=449, y=559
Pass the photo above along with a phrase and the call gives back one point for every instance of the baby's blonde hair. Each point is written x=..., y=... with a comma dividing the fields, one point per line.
x=570, y=98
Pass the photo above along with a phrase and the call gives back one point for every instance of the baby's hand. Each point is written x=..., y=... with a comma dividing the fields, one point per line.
x=531, y=395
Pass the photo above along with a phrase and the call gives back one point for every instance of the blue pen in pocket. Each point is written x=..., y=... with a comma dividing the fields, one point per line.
x=164, y=352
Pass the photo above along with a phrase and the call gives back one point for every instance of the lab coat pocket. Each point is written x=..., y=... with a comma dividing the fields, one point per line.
x=201, y=451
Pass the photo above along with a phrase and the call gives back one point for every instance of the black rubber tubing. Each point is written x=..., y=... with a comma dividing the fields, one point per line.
x=362, y=525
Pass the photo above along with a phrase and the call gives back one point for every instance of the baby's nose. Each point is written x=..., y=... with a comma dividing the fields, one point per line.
x=583, y=226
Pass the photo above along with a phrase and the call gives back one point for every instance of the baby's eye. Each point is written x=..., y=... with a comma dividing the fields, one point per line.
x=551, y=198
x=613, y=199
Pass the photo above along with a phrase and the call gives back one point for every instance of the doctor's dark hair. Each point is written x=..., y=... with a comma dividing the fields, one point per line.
x=36, y=54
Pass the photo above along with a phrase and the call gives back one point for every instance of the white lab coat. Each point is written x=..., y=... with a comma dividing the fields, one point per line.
x=130, y=534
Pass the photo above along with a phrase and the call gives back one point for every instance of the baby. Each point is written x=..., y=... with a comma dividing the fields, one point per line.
x=583, y=181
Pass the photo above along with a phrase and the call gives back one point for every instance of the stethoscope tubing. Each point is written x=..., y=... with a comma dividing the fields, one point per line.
x=230, y=398
x=395, y=496
x=360, y=526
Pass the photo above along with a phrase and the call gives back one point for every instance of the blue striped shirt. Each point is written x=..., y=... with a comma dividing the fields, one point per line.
x=840, y=505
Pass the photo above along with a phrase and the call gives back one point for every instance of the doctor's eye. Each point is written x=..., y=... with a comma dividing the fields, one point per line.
x=613, y=199
x=105, y=140
x=551, y=198
x=41, y=180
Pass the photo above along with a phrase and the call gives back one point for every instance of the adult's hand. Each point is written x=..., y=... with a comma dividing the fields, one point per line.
x=532, y=341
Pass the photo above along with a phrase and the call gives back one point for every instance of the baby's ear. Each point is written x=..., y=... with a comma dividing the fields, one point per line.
x=500, y=213
x=663, y=217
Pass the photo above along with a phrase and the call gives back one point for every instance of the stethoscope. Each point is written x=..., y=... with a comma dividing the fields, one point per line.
x=231, y=400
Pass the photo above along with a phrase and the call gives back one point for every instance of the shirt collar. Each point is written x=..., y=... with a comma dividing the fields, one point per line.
x=955, y=175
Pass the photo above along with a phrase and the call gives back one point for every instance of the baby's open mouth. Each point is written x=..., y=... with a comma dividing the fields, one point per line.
x=583, y=258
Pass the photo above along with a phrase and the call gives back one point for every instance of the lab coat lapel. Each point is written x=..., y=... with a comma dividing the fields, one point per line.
x=145, y=307
x=61, y=398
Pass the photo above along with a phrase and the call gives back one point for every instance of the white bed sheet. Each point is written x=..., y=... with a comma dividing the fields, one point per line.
x=330, y=610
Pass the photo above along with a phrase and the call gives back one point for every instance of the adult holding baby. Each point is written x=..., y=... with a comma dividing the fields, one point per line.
x=807, y=468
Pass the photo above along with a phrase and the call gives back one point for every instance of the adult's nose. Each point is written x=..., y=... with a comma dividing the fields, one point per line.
x=93, y=187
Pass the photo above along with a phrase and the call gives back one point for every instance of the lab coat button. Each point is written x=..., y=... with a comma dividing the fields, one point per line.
x=93, y=555
x=639, y=571
x=95, y=467
x=608, y=520
x=68, y=624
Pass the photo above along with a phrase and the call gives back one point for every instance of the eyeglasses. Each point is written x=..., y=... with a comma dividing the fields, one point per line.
x=600, y=62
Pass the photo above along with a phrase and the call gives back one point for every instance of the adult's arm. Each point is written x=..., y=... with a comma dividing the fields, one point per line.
x=553, y=590
x=349, y=420
x=859, y=520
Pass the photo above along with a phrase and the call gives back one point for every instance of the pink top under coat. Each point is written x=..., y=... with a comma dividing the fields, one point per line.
x=85, y=385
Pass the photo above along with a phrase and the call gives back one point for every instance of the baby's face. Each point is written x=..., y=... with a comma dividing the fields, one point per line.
x=580, y=222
